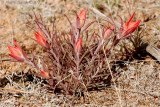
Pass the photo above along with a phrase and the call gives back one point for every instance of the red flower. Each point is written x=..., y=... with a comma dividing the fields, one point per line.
x=45, y=74
x=131, y=26
x=17, y=53
x=78, y=45
x=82, y=17
x=41, y=39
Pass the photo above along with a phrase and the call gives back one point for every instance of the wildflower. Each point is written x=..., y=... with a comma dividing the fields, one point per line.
x=131, y=26
x=108, y=32
x=41, y=39
x=82, y=17
x=45, y=74
x=78, y=45
x=17, y=53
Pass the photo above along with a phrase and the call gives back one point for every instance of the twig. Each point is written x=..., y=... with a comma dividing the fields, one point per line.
x=117, y=90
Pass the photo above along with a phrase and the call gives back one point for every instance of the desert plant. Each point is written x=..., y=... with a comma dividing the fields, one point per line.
x=72, y=61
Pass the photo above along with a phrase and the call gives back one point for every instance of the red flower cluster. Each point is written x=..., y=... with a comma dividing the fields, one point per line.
x=41, y=39
x=82, y=17
x=130, y=26
x=17, y=53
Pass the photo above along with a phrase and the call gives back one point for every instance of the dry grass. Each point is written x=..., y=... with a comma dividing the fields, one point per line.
x=137, y=82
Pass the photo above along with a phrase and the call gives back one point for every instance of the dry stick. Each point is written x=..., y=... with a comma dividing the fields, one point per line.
x=13, y=90
x=101, y=15
x=119, y=96
x=154, y=51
